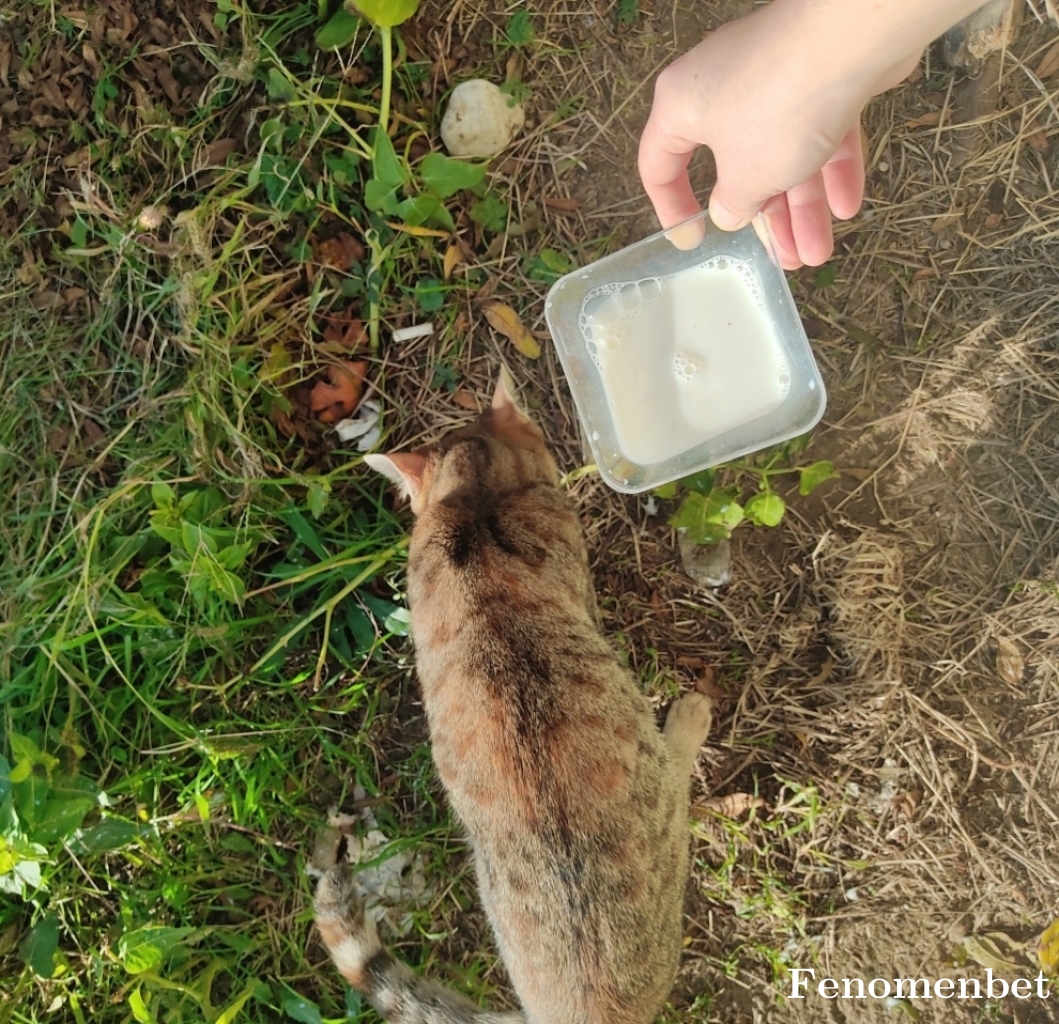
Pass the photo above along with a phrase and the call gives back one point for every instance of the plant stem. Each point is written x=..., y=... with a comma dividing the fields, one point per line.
x=386, y=35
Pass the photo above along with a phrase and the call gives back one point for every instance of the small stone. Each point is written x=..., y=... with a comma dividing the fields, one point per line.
x=479, y=120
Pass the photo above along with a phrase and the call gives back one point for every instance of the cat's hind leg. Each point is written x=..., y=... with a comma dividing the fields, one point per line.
x=389, y=985
x=687, y=726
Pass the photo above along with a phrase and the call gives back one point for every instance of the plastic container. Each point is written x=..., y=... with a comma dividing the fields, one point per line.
x=679, y=359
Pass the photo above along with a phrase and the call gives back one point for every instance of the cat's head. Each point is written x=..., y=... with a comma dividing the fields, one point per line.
x=500, y=452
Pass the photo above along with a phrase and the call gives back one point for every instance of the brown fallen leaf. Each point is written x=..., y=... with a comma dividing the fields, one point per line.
x=453, y=258
x=344, y=333
x=946, y=220
x=465, y=400
x=1038, y=141
x=214, y=154
x=561, y=205
x=336, y=398
x=340, y=252
x=505, y=320
x=994, y=220
x=932, y=117
x=1049, y=64
x=1010, y=665
x=732, y=805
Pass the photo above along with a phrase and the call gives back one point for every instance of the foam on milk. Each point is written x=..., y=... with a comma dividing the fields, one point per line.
x=684, y=358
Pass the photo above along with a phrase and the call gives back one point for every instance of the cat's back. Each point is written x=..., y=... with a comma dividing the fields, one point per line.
x=548, y=751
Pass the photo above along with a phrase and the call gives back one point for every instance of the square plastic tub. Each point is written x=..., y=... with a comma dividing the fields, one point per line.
x=679, y=359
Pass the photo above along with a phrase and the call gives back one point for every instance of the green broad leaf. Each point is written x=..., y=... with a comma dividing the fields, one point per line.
x=110, y=834
x=339, y=30
x=196, y=539
x=490, y=212
x=223, y=583
x=380, y=198
x=143, y=948
x=272, y=134
x=299, y=1008
x=701, y=482
x=666, y=491
x=31, y=794
x=234, y=555
x=316, y=495
x=38, y=948
x=61, y=818
x=23, y=748
x=811, y=477
x=163, y=495
x=22, y=771
x=279, y=86
x=360, y=627
x=253, y=990
x=139, y=1008
x=765, y=509
x=386, y=167
x=548, y=266
x=825, y=276
x=705, y=519
x=425, y=209
x=387, y=13
x=443, y=176
x=519, y=29
x=429, y=294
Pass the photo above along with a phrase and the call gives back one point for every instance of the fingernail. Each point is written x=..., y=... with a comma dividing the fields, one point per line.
x=725, y=219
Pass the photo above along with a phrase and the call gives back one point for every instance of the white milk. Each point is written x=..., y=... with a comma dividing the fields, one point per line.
x=684, y=358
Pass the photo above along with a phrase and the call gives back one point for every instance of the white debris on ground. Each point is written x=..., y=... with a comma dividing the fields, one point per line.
x=390, y=884
x=364, y=426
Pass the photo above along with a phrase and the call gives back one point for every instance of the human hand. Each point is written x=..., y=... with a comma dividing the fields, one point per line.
x=781, y=113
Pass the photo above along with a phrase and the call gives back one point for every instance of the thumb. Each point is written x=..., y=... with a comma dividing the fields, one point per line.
x=729, y=212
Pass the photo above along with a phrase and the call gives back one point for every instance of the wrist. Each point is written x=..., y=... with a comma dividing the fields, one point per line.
x=865, y=46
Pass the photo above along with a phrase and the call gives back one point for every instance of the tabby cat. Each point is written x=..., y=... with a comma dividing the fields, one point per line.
x=574, y=803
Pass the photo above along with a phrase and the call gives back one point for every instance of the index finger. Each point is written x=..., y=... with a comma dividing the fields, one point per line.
x=663, y=164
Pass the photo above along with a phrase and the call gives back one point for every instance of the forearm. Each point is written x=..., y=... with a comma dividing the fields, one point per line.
x=863, y=42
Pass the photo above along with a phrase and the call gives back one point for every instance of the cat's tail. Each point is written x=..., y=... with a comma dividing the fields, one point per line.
x=389, y=985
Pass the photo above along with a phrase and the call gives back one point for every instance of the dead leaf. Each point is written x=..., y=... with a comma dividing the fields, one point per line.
x=344, y=333
x=923, y=273
x=1038, y=141
x=1010, y=665
x=504, y=319
x=1049, y=64
x=465, y=400
x=986, y=953
x=453, y=258
x=731, y=806
x=340, y=252
x=905, y=804
x=930, y=118
x=561, y=205
x=215, y=153
x=334, y=399
x=994, y=220
x=946, y=220
x=1048, y=950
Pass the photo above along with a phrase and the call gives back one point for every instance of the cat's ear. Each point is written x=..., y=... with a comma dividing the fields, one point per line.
x=504, y=403
x=405, y=469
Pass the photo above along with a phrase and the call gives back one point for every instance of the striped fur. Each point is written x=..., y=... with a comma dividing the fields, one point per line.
x=574, y=803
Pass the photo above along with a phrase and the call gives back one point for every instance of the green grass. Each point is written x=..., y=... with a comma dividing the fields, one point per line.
x=196, y=612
